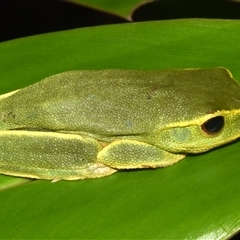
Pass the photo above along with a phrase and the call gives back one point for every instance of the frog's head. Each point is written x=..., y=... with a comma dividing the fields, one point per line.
x=200, y=135
x=203, y=115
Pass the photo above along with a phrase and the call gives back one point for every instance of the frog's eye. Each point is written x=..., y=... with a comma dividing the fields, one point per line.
x=213, y=125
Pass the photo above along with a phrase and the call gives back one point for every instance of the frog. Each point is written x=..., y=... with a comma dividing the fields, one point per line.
x=92, y=123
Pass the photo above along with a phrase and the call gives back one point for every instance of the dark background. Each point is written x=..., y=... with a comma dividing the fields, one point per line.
x=20, y=18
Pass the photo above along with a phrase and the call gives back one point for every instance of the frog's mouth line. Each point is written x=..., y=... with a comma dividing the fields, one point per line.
x=214, y=148
x=196, y=150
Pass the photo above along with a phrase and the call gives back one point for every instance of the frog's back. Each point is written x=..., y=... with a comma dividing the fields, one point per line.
x=119, y=102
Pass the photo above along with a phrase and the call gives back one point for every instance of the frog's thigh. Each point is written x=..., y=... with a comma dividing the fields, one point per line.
x=49, y=155
x=127, y=154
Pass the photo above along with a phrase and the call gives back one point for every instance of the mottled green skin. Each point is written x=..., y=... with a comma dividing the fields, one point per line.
x=119, y=102
x=154, y=109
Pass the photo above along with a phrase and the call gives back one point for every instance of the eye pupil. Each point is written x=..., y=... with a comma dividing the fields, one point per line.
x=213, y=125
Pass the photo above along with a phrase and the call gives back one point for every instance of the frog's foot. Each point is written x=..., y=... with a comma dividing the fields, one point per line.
x=130, y=154
x=92, y=170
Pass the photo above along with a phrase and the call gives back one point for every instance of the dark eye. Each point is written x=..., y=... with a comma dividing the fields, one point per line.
x=213, y=125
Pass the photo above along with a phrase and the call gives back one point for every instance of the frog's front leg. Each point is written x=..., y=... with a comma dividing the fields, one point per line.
x=50, y=155
x=130, y=154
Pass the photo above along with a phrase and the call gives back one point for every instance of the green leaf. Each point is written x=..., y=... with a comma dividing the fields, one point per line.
x=195, y=198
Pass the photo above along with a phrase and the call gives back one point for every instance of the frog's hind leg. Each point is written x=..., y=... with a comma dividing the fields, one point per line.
x=50, y=155
x=130, y=154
